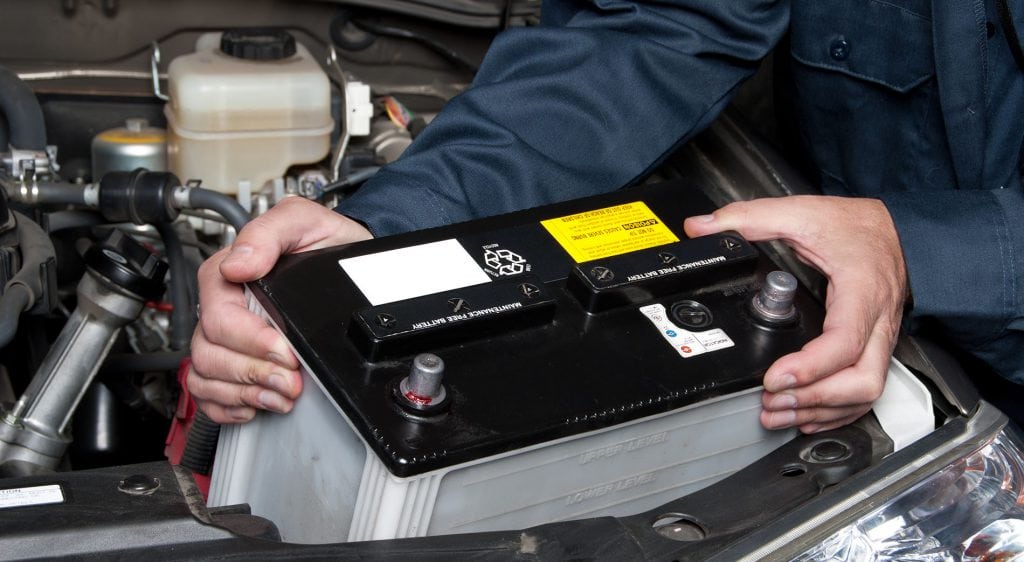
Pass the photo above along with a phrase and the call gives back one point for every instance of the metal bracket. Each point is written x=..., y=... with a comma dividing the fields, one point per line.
x=154, y=70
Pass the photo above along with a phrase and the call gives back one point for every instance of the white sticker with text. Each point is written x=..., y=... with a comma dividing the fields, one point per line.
x=35, y=495
x=685, y=342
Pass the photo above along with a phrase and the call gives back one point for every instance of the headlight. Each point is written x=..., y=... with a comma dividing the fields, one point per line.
x=972, y=510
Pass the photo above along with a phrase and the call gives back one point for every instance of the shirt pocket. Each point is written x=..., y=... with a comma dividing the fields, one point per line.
x=865, y=96
x=885, y=43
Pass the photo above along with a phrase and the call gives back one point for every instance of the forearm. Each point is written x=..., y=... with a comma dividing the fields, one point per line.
x=586, y=103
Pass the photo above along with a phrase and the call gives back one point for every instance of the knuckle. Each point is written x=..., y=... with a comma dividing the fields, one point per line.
x=811, y=398
x=809, y=415
x=241, y=415
x=266, y=338
x=195, y=384
x=251, y=374
x=855, y=343
x=873, y=387
x=210, y=322
x=211, y=266
x=249, y=395
x=201, y=363
x=199, y=341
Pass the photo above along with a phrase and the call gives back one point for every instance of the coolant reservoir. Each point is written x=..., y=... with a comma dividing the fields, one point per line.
x=245, y=106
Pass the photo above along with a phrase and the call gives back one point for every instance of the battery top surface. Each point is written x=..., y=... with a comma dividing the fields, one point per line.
x=548, y=323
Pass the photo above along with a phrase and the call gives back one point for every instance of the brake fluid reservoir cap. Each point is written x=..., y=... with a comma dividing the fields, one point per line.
x=258, y=43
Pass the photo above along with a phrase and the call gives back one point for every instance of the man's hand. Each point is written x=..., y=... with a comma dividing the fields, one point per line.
x=836, y=377
x=239, y=362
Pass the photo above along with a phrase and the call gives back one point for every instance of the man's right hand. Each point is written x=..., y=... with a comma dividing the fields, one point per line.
x=239, y=362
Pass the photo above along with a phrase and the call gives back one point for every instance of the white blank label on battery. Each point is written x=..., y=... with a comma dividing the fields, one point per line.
x=35, y=495
x=415, y=271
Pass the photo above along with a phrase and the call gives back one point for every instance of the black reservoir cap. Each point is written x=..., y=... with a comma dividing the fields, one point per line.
x=641, y=276
x=128, y=265
x=258, y=43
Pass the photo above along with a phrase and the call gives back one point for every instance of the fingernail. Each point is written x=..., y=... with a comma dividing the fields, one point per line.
x=239, y=252
x=784, y=401
x=280, y=383
x=784, y=381
x=272, y=401
x=276, y=357
x=240, y=413
x=279, y=354
x=781, y=419
x=703, y=218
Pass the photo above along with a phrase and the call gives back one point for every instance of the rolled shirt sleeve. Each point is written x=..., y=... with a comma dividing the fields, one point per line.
x=965, y=261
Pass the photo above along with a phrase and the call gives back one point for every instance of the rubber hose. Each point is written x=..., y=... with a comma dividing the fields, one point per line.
x=27, y=285
x=201, y=444
x=355, y=178
x=14, y=301
x=182, y=317
x=436, y=46
x=201, y=198
x=36, y=249
x=118, y=363
x=64, y=220
x=336, y=28
x=60, y=193
x=4, y=142
x=21, y=109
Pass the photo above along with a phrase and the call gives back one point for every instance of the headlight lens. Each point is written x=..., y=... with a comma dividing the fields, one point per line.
x=971, y=510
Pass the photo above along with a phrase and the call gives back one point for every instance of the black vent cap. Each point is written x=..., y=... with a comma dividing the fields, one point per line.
x=123, y=262
x=258, y=43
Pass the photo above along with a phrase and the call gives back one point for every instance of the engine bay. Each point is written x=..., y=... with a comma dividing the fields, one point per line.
x=138, y=137
x=301, y=99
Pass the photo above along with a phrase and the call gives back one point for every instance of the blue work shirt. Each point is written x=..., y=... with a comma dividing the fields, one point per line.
x=909, y=101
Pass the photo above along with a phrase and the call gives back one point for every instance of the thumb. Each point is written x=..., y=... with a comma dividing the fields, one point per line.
x=247, y=262
x=771, y=218
x=293, y=225
x=701, y=225
x=283, y=229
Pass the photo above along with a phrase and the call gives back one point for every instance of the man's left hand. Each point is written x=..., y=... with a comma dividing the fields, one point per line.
x=837, y=376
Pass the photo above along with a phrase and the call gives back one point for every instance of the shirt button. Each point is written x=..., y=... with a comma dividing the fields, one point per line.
x=839, y=50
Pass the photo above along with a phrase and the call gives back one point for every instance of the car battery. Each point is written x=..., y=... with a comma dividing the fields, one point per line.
x=575, y=360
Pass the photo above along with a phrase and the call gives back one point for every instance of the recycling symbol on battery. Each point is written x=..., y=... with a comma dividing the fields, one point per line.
x=502, y=262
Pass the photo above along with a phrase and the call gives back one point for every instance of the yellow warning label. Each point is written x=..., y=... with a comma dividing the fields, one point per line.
x=610, y=231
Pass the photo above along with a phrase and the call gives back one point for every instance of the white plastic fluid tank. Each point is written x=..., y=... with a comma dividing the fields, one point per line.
x=245, y=106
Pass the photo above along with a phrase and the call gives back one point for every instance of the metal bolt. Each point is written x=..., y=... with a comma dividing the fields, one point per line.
x=139, y=485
